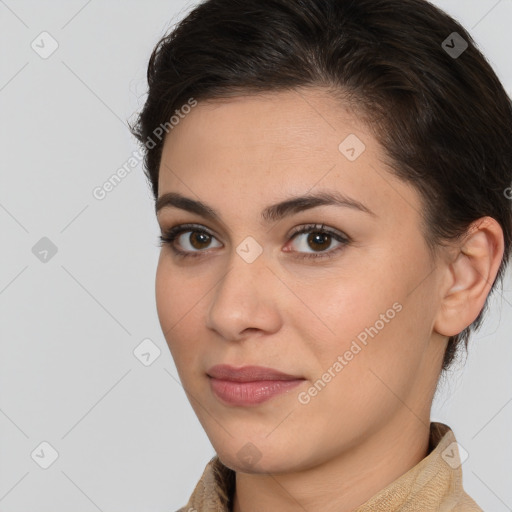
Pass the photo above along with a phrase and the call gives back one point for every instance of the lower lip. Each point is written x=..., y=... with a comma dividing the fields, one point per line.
x=250, y=393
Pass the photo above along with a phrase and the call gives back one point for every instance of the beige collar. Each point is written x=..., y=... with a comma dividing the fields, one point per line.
x=435, y=483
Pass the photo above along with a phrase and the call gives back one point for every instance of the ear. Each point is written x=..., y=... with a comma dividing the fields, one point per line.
x=469, y=276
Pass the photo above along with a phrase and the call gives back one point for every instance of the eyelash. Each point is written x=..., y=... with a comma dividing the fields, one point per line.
x=172, y=234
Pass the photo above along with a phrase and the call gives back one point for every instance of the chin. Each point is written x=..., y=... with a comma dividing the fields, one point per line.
x=261, y=466
x=256, y=457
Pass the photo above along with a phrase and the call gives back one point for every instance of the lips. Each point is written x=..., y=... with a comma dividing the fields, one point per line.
x=249, y=386
x=249, y=374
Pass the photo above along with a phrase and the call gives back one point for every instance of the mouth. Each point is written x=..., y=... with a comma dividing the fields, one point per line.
x=249, y=385
x=248, y=373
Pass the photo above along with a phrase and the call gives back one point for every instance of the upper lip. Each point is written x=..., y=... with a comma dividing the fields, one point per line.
x=248, y=373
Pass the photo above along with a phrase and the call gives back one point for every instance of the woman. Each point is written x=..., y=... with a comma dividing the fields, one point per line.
x=330, y=180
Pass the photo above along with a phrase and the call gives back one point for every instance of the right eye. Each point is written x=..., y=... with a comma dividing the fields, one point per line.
x=196, y=240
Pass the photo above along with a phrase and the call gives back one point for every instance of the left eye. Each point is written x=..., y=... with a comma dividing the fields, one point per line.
x=319, y=238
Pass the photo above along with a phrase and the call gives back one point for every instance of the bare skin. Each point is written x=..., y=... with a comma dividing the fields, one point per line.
x=370, y=423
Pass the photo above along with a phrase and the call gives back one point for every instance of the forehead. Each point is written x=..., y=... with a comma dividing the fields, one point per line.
x=302, y=120
x=270, y=146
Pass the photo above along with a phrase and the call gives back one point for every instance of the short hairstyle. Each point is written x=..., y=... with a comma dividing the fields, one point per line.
x=442, y=117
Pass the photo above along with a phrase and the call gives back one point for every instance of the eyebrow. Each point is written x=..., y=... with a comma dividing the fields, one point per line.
x=271, y=213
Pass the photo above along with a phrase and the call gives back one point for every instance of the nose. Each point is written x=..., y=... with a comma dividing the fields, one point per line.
x=246, y=298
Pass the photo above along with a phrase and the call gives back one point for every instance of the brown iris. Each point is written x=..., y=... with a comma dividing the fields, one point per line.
x=200, y=238
x=315, y=237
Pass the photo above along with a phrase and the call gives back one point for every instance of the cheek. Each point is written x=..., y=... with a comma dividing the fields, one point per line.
x=176, y=307
x=174, y=295
x=367, y=317
x=381, y=334
x=344, y=306
x=164, y=297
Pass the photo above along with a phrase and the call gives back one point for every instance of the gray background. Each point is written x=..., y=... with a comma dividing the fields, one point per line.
x=126, y=437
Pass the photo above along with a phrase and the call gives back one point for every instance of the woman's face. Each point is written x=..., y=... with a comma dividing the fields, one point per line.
x=349, y=309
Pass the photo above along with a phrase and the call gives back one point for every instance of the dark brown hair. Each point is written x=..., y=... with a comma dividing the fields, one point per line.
x=439, y=111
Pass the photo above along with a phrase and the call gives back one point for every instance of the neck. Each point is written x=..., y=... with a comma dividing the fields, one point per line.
x=344, y=482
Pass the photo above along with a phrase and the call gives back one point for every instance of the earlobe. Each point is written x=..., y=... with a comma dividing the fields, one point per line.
x=470, y=276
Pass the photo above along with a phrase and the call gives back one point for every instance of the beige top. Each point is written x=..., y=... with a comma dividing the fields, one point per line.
x=434, y=484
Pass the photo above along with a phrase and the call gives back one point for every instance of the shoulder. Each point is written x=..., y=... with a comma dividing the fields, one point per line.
x=466, y=504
